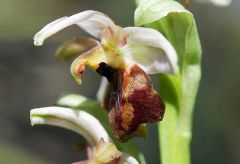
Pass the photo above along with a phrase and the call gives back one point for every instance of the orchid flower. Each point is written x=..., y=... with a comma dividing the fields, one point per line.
x=101, y=150
x=125, y=57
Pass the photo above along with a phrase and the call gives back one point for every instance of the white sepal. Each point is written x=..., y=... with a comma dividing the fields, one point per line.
x=150, y=50
x=76, y=120
x=91, y=21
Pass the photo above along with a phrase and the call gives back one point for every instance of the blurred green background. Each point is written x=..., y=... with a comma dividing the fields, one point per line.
x=31, y=77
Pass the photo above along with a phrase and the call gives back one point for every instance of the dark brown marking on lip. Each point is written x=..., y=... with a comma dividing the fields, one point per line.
x=106, y=71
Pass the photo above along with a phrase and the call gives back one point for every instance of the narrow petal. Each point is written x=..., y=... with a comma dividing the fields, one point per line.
x=90, y=21
x=91, y=58
x=150, y=50
x=75, y=47
x=76, y=120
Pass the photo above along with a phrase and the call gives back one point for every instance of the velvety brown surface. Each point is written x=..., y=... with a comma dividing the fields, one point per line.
x=131, y=100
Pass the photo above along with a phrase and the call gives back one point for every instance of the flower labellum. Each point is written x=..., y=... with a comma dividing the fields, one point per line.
x=131, y=99
x=125, y=57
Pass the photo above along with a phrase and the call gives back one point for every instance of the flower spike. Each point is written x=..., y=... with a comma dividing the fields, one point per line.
x=75, y=47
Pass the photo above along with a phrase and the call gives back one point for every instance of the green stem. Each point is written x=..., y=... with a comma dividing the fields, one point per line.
x=174, y=143
x=175, y=129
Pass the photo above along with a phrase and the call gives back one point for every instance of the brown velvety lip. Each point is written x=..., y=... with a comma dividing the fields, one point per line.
x=131, y=100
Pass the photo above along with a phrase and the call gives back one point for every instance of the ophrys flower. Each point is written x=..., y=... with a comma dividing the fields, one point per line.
x=124, y=56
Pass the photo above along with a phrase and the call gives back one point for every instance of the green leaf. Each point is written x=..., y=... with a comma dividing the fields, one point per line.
x=76, y=101
x=149, y=11
x=179, y=91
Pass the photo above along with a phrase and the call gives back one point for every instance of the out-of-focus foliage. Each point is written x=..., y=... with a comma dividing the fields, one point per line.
x=22, y=19
x=10, y=153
